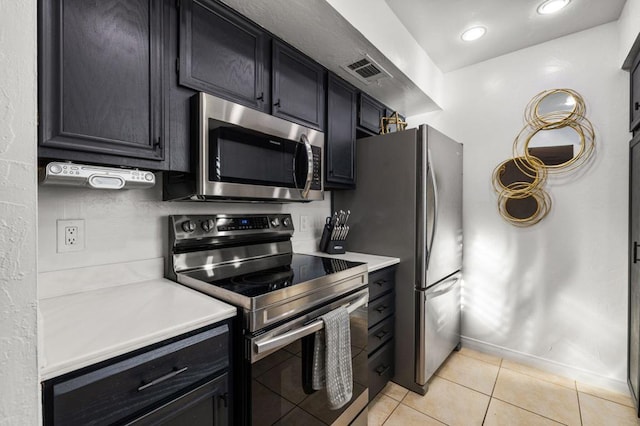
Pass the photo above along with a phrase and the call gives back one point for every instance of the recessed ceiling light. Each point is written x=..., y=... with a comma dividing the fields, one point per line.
x=552, y=6
x=473, y=33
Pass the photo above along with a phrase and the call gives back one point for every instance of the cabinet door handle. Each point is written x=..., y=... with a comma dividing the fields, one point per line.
x=381, y=334
x=381, y=309
x=381, y=282
x=636, y=106
x=224, y=399
x=635, y=252
x=383, y=369
x=166, y=377
x=277, y=103
x=261, y=97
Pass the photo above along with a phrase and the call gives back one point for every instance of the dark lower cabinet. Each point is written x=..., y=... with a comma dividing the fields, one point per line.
x=180, y=381
x=340, y=148
x=222, y=53
x=381, y=329
x=298, y=87
x=100, y=81
x=634, y=271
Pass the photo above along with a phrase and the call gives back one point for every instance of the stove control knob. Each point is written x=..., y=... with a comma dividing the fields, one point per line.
x=275, y=222
x=207, y=225
x=188, y=226
x=286, y=222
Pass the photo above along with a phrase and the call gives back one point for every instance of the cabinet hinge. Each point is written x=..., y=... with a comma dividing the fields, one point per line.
x=177, y=65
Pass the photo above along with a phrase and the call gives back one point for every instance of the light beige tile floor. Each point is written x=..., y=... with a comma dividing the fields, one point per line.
x=472, y=388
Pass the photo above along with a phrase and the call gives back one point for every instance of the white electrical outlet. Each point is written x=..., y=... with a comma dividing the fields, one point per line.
x=305, y=223
x=70, y=235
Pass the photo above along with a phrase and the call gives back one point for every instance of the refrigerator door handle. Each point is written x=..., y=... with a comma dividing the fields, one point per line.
x=434, y=226
x=443, y=288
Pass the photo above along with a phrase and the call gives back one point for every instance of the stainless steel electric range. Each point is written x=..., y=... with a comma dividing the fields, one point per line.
x=248, y=261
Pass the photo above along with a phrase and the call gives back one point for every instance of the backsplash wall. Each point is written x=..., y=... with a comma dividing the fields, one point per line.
x=130, y=225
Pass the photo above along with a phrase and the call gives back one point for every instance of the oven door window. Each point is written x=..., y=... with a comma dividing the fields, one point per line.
x=280, y=383
x=255, y=159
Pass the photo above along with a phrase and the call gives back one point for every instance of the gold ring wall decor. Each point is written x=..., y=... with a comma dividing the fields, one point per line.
x=557, y=138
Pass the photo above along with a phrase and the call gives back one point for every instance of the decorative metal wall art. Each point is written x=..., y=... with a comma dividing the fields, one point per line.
x=557, y=138
x=393, y=123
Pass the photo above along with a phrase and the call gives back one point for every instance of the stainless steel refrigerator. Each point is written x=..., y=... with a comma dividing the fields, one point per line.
x=408, y=204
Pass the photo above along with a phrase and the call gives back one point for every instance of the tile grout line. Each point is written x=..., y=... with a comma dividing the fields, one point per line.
x=529, y=411
x=484, y=419
x=392, y=411
x=575, y=384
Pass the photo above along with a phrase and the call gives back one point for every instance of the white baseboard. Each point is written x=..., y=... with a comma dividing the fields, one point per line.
x=580, y=375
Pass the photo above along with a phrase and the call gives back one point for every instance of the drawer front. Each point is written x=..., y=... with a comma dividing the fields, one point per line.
x=381, y=308
x=130, y=386
x=380, y=334
x=381, y=282
x=381, y=369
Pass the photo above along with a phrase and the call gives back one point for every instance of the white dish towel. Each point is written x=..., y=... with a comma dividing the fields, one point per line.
x=332, y=358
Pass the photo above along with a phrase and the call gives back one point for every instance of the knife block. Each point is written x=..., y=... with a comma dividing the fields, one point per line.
x=336, y=247
x=330, y=246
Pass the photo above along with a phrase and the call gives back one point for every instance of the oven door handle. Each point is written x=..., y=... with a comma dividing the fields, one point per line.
x=293, y=335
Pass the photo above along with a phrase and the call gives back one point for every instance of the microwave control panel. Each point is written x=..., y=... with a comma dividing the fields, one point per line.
x=316, y=183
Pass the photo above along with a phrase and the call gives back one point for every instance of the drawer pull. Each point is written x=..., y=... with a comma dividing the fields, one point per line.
x=636, y=106
x=381, y=282
x=174, y=373
x=382, y=334
x=383, y=369
x=381, y=309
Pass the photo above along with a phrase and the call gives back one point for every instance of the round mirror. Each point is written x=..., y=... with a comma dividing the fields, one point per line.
x=522, y=208
x=554, y=108
x=555, y=147
x=560, y=101
x=518, y=175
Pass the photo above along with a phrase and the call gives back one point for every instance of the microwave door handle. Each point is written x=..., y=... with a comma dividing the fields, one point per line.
x=307, y=184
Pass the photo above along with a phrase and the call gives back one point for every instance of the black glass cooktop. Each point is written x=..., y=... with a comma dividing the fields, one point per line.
x=303, y=268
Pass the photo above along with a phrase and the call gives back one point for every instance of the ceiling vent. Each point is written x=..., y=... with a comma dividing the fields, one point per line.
x=366, y=70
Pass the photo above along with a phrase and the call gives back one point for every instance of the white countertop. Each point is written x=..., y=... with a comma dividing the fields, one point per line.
x=84, y=328
x=373, y=262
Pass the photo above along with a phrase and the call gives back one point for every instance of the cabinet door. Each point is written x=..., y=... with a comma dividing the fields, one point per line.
x=100, y=81
x=634, y=270
x=341, y=133
x=221, y=53
x=634, y=112
x=298, y=86
x=370, y=112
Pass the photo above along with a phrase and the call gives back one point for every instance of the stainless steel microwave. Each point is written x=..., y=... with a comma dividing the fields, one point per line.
x=245, y=154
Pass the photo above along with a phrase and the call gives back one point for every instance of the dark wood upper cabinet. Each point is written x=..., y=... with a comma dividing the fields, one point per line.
x=634, y=112
x=222, y=53
x=340, y=145
x=370, y=112
x=100, y=82
x=298, y=87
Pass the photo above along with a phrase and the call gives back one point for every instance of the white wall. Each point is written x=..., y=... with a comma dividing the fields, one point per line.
x=555, y=293
x=19, y=401
x=130, y=225
x=629, y=25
